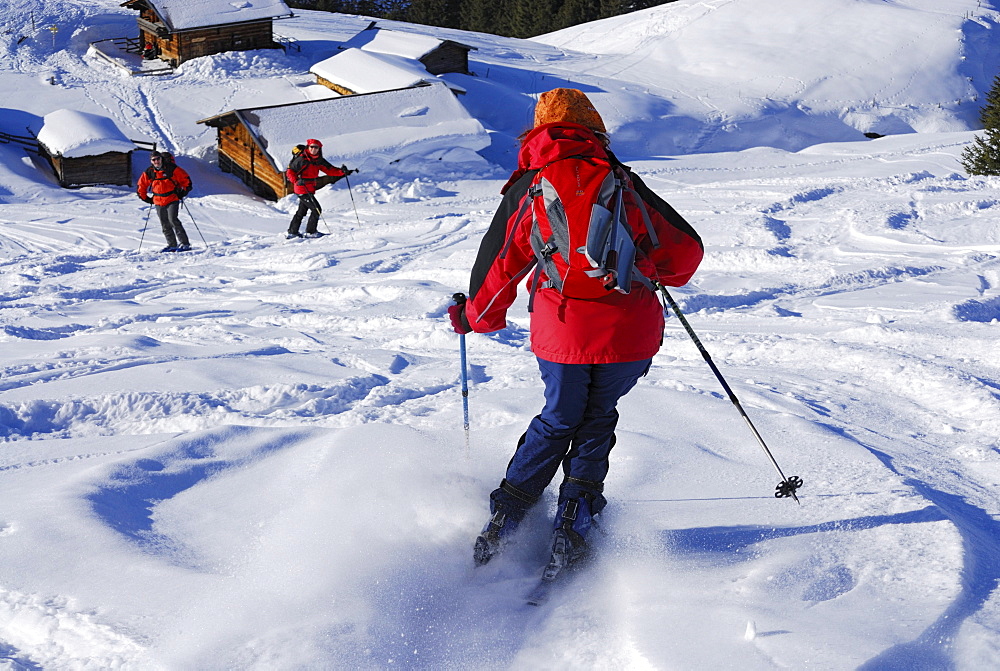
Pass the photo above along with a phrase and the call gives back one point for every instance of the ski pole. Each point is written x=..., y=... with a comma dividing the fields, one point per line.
x=351, y=191
x=319, y=208
x=197, y=228
x=459, y=299
x=787, y=486
x=144, y=224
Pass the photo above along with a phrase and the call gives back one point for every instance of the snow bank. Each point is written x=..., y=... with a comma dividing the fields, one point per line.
x=790, y=73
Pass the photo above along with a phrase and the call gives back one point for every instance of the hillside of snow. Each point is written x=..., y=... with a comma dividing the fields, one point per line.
x=251, y=456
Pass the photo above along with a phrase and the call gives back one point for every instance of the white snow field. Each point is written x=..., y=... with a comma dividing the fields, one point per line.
x=251, y=456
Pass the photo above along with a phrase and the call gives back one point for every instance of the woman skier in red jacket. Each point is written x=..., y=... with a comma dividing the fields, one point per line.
x=302, y=172
x=590, y=351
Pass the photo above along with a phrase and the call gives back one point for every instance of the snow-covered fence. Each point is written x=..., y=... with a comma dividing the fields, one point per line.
x=287, y=43
x=29, y=143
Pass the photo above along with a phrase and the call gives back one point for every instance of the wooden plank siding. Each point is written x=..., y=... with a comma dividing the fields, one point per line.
x=113, y=167
x=448, y=57
x=342, y=90
x=239, y=155
x=178, y=47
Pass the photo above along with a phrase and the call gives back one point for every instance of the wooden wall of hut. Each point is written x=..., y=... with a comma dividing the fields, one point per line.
x=448, y=57
x=240, y=156
x=176, y=48
x=113, y=167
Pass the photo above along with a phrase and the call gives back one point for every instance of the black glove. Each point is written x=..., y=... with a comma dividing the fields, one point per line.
x=146, y=199
x=300, y=182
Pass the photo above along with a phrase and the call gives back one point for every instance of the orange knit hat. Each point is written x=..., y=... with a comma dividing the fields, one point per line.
x=568, y=105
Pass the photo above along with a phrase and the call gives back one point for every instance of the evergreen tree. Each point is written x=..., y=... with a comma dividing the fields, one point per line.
x=480, y=16
x=443, y=13
x=982, y=157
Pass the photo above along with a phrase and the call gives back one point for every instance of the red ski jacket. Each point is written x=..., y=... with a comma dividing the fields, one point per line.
x=612, y=329
x=165, y=184
x=303, y=170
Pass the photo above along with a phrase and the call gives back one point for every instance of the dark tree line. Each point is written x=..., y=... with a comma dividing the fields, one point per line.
x=510, y=18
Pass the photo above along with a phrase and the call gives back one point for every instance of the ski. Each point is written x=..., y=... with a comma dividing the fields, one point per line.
x=565, y=554
x=539, y=595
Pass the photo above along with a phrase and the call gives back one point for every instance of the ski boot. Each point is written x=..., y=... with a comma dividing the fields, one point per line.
x=493, y=537
x=509, y=506
x=569, y=544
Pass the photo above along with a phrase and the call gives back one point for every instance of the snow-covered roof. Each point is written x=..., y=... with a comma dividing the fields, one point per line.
x=73, y=134
x=380, y=127
x=187, y=14
x=393, y=42
x=366, y=72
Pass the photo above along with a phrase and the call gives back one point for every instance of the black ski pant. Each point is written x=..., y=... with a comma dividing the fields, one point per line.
x=307, y=203
x=171, y=225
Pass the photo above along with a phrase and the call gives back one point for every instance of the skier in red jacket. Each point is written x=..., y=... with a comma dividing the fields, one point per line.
x=590, y=352
x=302, y=172
x=169, y=184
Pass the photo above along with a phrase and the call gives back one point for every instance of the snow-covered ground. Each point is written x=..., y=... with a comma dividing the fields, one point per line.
x=251, y=456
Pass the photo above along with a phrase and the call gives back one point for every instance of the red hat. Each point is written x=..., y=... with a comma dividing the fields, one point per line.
x=315, y=142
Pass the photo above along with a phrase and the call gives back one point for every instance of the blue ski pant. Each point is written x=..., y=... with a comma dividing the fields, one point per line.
x=575, y=429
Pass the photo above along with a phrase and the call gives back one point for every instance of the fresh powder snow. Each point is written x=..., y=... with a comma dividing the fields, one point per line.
x=251, y=456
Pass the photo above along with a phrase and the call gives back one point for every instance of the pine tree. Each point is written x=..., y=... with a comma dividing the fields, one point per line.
x=444, y=13
x=989, y=115
x=478, y=15
x=982, y=157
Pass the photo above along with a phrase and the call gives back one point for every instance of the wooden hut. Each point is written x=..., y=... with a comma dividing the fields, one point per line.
x=437, y=55
x=373, y=129
x=354, y=71
x=179, y=30
x=85, y=149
